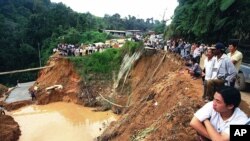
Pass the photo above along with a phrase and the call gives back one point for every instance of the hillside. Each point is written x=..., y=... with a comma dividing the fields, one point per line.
x=161, y=98
x=162, y=102
x=155, y=102
x=61, y=73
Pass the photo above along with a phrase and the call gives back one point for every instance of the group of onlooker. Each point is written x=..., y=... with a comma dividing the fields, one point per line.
x=154, y=41
x=76, y=50
x=68, y=49
x=213, y=120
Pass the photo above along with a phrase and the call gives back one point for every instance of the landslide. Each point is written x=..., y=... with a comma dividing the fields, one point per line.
x=3, y=90
x=62, y=73
x=162, y=102
x=9, y=129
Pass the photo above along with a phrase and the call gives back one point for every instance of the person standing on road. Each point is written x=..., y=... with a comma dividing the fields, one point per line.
x=2, y=112
x=17, y=84
x=32, y=94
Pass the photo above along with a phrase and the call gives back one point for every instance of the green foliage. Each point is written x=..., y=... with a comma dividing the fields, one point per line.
x=73, y=36
x=98, y=63
x=159, y=27
x=131, y=47
x=103, y=65
x=93, y=37
x=210, y=2
x=26, y=23
x=220, y=23
x=225, y=4
x=210, y=20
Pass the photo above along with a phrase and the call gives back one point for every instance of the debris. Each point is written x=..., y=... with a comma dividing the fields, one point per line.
x=156, y=103
x=54, y=87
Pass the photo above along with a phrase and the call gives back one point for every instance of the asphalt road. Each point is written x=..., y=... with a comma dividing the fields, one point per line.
x=20, y=93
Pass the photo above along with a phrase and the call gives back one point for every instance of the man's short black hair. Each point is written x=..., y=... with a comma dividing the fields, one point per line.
x=230, y=95
x=233, y=42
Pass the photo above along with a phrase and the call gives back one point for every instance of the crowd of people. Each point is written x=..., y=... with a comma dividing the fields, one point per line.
x=76, y=50
x=213, y=120
x=154, y=41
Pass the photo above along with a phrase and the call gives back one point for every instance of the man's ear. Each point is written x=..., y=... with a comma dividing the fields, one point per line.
x=230, y=106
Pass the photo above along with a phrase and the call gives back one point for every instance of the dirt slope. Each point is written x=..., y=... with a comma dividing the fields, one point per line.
x=62, y=73
x=9, y=129
x=161, y=106
x=3, y=90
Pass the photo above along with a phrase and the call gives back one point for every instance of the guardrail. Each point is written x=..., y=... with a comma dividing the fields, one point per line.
x=25, y=70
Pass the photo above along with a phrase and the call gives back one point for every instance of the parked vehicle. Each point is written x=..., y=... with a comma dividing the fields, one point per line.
x=243, y=78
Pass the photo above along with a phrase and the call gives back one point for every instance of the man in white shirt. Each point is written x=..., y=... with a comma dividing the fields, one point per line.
x=197, y=53
x=208, y=64
x=223, y=71
x=213, y=120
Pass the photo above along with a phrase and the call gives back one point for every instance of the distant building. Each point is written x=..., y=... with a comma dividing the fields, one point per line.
x=122, y=33
x=116, y=33
x=133, y=32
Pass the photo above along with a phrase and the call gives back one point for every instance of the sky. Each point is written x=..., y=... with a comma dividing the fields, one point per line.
x=139, y=8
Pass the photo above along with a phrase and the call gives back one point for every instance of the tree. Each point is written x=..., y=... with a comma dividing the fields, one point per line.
x=210, y=20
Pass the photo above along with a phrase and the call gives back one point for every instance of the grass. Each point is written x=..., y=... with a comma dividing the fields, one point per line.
x=142, y=134
x=102, y=65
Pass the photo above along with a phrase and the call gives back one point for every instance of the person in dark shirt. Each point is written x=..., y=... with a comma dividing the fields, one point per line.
x=195, y=71
x=32, y=94
x=2, y=112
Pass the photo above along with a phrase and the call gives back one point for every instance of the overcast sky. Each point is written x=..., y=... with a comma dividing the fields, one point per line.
x=138, y=8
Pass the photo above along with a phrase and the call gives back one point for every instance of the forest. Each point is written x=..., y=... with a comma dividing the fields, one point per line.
x=30, y=29
x=209, y=21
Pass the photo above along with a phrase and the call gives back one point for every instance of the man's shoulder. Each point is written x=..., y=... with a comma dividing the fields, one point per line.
x=239, y=112
x=209, y=104
x=240, y=116
x=238, y=53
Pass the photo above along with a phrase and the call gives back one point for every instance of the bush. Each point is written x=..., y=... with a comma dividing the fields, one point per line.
x=131, y=47
x=93, y=37
x=98, y=63
x=103, y=65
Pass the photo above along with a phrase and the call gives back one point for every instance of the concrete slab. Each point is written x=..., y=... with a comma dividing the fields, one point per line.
x=20, y=93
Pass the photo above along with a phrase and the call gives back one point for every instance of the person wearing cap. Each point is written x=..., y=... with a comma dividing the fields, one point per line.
x=223, y=71
x=235, y=55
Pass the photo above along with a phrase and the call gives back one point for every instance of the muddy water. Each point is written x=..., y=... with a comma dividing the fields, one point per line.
x=61, y=122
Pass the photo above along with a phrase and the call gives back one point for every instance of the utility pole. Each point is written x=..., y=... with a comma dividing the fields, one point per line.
x=163, y=17
x=39, y=54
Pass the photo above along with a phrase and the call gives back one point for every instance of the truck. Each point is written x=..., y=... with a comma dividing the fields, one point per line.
x=243, y=77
